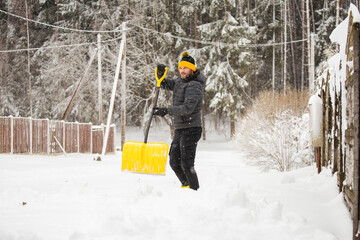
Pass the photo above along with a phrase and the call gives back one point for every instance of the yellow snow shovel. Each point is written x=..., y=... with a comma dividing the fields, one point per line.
x=144, y=157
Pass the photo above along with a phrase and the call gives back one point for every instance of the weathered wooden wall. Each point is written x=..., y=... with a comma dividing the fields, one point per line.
x=340, y=149
x=351, y=160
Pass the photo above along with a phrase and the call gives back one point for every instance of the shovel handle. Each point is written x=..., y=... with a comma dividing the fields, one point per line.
x=162, y=77
x=157, y=90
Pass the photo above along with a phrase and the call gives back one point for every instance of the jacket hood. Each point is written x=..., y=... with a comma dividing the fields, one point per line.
x=199, y=77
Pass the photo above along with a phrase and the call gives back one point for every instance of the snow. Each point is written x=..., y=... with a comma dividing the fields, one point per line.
x=355, y=12
x=76, y=198
x=339, y=34
x=316, y=105
x=338, y=64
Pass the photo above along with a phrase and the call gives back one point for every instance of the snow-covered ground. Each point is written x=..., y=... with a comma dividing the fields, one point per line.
x=76, y=198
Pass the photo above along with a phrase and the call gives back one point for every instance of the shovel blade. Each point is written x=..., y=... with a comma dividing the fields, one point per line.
x=142, y=157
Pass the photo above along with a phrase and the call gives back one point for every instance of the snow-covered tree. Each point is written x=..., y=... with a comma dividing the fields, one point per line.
x=61, y=69
x=158, y=32
x=228, y=61
x=325, y=25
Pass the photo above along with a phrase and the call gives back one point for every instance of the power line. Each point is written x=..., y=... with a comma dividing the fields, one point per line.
x=218, y=43
x=214, y=43
x=59, y=46
x=58, y=27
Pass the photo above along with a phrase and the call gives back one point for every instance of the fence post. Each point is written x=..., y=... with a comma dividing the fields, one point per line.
x=115, y=138
x=102, y=136
x=78, y=137
x=91, y=138
x=48, y=136
x=63, y=133
x=12, y=134
x=30, y=134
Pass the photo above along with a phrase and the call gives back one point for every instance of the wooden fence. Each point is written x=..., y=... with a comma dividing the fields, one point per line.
x=43, y=136
x=340, y=134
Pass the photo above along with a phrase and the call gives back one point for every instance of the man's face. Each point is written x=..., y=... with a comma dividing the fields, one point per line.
x=185, y=72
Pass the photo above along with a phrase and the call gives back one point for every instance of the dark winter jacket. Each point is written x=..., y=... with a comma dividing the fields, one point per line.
x=187, y=99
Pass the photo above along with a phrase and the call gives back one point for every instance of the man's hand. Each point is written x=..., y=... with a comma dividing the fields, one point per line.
x=160, y=111
x=160, y=70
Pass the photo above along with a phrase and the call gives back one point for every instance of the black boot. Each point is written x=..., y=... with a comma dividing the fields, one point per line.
x=192, y=178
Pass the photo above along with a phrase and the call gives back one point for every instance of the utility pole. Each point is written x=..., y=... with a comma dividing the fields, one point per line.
x=113, y=93
x=123, y=89
x=312, y=62
x=100, y=80
x=28, y=58
x=309, y=48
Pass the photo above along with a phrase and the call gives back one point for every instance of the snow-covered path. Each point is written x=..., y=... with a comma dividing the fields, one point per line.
x=76, y=198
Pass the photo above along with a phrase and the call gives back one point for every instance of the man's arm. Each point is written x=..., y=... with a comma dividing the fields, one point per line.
x=168, y=84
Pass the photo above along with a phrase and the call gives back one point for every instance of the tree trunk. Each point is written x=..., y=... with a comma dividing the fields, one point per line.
x=308, y=41
x=312, y=15
x=273, y=59
x=248, y=12
x=293, y=36
x=168, y=122
x=303, y=45
x=239, y=12
x=232, y=128
x=285, y=44
x=337, y=12
x=203, y=112
x=203, y=121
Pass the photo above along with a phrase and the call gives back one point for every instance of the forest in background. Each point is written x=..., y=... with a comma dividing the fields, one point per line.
x=231, y=41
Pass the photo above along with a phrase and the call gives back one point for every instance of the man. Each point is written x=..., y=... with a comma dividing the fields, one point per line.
x=188, y=92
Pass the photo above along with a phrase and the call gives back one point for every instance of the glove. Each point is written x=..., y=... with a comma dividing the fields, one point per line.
x=160, y=112
x=160, y=70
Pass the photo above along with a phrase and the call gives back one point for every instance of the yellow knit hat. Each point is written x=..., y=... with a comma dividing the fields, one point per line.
x=187, y=61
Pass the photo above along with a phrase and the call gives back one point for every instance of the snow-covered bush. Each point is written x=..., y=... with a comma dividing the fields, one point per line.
x=275, y=131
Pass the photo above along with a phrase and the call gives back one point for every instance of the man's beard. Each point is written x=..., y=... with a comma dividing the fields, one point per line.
x=185, y=76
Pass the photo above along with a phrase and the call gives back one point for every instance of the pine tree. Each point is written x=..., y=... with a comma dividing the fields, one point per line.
x=14, y=76
x=62, y=68
x=227, y=64
x=325, y=26
x=232, y=70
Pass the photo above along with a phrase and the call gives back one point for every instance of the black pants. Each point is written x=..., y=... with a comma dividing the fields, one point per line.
x=182, y=155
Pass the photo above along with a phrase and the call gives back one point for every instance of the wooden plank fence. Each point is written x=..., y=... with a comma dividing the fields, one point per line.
x=20, y=135
x=340, y=147
x=5, y=134
x=40, y=136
